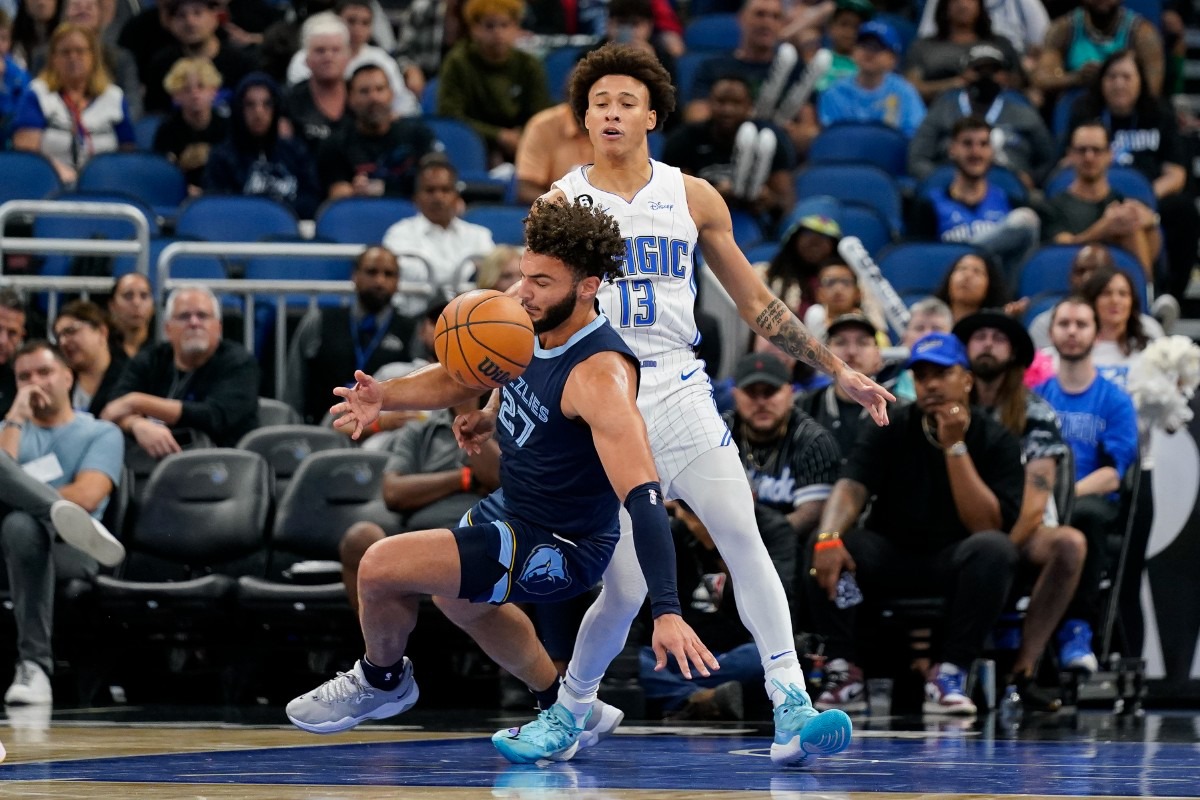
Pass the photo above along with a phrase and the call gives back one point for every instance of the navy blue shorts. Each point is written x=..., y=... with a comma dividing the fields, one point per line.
x=505, y=560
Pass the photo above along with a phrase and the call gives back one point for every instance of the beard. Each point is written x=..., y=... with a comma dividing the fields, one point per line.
x=1074, y=358
x=987, y=367
x=557, y=314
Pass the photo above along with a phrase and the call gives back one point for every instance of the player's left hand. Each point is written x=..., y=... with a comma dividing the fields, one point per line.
x=673, y=635
x=867, y=393
x=473, y=430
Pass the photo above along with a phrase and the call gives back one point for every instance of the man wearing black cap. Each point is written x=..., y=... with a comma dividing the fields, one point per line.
x=1020, y=138
x=1000, y=351
x=853, y=338
x=947, y=484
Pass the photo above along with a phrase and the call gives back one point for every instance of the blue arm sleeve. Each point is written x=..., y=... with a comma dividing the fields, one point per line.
x=655, y=549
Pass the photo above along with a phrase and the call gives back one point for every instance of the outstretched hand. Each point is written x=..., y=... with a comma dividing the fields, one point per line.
x=361, y=404
x=673, y=635
x=867, y=393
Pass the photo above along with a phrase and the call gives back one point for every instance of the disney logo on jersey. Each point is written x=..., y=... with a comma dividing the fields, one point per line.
x=656, y=255
x=654, y=205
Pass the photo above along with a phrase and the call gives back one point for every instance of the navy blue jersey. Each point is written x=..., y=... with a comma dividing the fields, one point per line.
x=959, y=222
x=549, y=468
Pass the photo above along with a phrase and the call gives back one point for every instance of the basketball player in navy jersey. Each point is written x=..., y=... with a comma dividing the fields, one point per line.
x=571, y=444
x=619, y=95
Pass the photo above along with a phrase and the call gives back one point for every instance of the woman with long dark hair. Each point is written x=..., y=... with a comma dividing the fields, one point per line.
x=973, y=282
x=935, y=64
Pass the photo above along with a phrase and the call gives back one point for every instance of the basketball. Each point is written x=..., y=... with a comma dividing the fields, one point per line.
x=484, y=339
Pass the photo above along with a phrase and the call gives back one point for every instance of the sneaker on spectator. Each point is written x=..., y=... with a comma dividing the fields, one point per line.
x=944, y=691
x=82, y=531
x=1034, y=697
x=1075, y=647
x=30, y=686
x=724, y=702
x=603, y=721
x=843, y=687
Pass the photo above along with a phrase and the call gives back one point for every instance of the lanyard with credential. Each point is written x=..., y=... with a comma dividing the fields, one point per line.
x=362, y=355
x=993, y=112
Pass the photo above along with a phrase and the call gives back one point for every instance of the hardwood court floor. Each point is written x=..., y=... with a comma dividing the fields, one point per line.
x=166, y=753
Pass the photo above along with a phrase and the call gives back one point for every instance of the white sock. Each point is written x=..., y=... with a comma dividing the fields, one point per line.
x=577, y=696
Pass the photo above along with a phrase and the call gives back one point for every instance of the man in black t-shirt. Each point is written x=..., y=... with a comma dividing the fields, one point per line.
x=947, y=484
x=379, y=155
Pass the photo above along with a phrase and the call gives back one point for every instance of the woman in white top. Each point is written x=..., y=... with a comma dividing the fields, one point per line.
x=72, y=109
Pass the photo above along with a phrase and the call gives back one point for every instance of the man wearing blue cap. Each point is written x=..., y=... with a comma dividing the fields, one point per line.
x=876, y=93
x=947, y=484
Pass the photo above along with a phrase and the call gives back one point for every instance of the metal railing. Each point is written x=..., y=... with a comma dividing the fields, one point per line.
x=138, y=247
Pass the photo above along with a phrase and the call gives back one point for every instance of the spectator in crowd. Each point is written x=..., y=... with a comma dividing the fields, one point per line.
x=1099, y=423
x=853, y=338
x=841, y=35
x=1145, y=137
x=966, y=469
x=131, y=309
x=145, y=35
x=255, y=161
x=552, y=17
x=12, y=334
x=973, y=210
x=972, y=283
x=316, y=105
x=488, y=83
x=1000, y=351
x=428, y=479
x=118, y=61
x=41, y=427
x=1022, y=22
x=499, y=269
x=72, y=110
x=928, y=315
x=631, y=22
x=1080, y=40
x=14, y=79
x=934, y=63
x=1020, y=140
x=808, y=244
x=35, y=20
x=708, y=150
x=194, y=26
x=839, y=293
x=422, y=28
x=435, y=241
x=378, y=155
x=194, y=380
x=1090, y=211
x=552, y=144
x=192, y=130
x=357, y=16
x=82, y=334
x=322, y=355
x=875, y=93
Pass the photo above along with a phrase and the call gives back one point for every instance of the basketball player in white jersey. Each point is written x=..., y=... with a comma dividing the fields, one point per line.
x=621, y=94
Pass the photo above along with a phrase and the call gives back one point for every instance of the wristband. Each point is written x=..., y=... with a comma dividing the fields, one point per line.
x=466, y=479
x=826, y=536
x=828, y=544
x=374, y=426
x=10, y=423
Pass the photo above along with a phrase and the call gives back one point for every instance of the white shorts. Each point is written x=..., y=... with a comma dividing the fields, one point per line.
x=676, y=401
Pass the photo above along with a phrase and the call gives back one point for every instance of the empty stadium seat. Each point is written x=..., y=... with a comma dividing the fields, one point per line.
x=919, y=268
x=27, y=176
x=361, y=220
x=559, y=64
x=685, y=75
x=429, y=97
x=285, y=447
x=854, y=183
x=227, y=218
x=862, y=143
x=467, y=150
x=276, y=412
x=746, y=230
x=867, y=224
x=147, y=176
x=712, y=33
x=87, y=227
x=507, y=223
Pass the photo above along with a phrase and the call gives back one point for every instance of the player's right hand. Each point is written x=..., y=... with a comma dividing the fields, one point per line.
x=828, y=565
x=674, y=636
x=473, y=430
x=360, y=406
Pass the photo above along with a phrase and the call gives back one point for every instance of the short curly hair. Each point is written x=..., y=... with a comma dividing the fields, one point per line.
x=620, y=59
x=581, y=236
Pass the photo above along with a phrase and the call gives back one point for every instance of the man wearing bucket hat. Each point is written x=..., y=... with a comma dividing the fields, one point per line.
x=1000, y=351
x=947, y=483
x=809, y=242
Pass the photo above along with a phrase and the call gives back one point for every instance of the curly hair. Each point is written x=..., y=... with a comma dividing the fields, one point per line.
x=620, y=59
x=583, y=237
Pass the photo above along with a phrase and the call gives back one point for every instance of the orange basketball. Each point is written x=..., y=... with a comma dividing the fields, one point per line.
x=484, y=339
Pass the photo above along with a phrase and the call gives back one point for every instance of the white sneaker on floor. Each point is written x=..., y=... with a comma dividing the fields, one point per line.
x=603, y=721
x=30, y=686
x=82, y=531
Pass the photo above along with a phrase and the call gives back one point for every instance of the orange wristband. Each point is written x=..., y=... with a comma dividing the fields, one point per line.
x=374, y=426
x=466, y=479
x=828, y=544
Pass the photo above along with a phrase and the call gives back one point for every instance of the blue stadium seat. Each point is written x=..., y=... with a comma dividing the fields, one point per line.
x=685, y=75
x=746, y=230
x=227, y=218
x=463, y=146
x=703, y=8
x=300, y=269
x=715, y=32
x=1124, y=180
x=762, y=252
x=361, y=220
x=147, y=176
x=867, y=224
x=862, y=143
x=1150, y=9
x=87, y=227
x=1061, y=119
x=918, y=268
x=201, y=267
x=656, y=142
x=505, y=222
x=429, y=97
x=854, y=182
x=1047, y=271
x=144, y=131
x=27, y=176
x=1000, y=176
x=558, y=64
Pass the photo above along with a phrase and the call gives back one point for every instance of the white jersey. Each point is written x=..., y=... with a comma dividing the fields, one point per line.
x=652, y=307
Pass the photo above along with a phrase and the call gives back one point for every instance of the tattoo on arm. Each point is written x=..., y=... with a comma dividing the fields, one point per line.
x=1040, y=482
x=789, y=335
